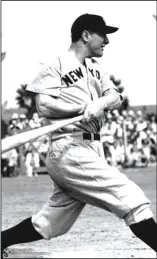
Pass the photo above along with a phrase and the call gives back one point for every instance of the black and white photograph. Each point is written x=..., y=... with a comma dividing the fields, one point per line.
x=78, y=129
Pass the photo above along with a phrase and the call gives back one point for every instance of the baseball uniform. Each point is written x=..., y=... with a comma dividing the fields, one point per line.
x=80, y=174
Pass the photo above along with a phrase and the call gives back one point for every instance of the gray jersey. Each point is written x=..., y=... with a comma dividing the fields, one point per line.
x=69, y=81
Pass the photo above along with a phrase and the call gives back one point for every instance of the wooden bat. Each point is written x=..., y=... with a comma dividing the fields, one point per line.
x=24, y=137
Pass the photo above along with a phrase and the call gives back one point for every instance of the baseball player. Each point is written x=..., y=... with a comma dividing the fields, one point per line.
x=74, y=83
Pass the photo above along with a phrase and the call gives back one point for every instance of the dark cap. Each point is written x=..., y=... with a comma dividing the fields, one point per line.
x=92, y=22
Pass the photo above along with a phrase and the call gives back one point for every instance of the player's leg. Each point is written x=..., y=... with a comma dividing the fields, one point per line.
x=21, y=233
x=90, y=179
x=146, y=230
x=56, y=218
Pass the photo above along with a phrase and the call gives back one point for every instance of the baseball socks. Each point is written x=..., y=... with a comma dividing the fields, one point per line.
x=146, y=231
x=22, y=233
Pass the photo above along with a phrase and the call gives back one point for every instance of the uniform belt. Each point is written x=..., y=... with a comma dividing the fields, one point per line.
x=80, y=135
x=91, y=136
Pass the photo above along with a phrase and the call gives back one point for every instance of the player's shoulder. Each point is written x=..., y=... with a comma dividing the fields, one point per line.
x=63, y=55
x=52, y=62
x=59, y=58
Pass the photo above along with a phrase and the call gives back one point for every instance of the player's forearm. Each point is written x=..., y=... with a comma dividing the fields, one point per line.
x=50, y=107
x=111, y=100
x=46, y=89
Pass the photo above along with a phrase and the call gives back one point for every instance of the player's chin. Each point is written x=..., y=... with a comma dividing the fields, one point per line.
x=99, y=54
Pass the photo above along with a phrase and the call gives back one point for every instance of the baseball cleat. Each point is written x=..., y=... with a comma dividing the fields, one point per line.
x=4, y=253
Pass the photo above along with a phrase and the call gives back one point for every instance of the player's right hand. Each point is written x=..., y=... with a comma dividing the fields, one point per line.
x=92, y=111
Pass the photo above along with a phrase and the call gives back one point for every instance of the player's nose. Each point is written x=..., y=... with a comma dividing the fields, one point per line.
x=106, y=40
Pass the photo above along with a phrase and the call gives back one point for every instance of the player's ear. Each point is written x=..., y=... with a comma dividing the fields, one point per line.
x=85, y=36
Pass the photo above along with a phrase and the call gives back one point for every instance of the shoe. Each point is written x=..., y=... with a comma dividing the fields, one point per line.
x=4, y=253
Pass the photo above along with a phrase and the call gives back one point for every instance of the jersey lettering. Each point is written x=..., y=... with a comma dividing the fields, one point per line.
x=78, y=72
x=67, y=80
x=94, y=73
x=72, y=76
x=97, y=74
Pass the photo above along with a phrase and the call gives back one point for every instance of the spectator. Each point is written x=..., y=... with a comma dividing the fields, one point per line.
x=115, y=114
x=23, y=121
x=153, y=124
x=119, y=151
x=146, y=150
x=131, y=158
x=124, y=114
x=119, y=129
x=141, y=159
x=35, y=122
x=14, y=126
x=32, y=161
x=10, y=157
x=43, y=150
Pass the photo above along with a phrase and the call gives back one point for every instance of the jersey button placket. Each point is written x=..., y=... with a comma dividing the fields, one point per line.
x=88, y=81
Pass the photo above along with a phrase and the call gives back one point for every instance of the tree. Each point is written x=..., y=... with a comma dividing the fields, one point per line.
x=4, y=129
x=4, y=126
x=3, y=55
x=117, y=83
x=26, y=99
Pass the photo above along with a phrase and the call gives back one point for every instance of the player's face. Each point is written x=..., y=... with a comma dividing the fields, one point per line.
x=96, y=44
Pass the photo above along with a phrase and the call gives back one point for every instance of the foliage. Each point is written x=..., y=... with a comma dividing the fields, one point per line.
x=26, y=99
x=4, y=129
x=117, y=83
x=3, y=55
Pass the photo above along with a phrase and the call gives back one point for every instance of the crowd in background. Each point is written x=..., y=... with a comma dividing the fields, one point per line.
x=29, y=157
x=128, y=139
x=137, y=148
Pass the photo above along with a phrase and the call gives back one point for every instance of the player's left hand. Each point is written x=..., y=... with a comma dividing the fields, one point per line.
x=92, y=111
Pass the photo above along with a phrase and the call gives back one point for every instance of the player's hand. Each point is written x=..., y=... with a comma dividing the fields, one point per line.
x=92, y=111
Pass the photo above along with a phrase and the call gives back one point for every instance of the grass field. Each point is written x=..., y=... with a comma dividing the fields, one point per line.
x=96, y=233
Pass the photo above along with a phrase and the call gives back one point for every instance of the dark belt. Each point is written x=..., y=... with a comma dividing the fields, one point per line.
x=80, y=135
x=91, y=136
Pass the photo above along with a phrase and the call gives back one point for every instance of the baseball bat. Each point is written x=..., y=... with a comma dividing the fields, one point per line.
x=24, y=137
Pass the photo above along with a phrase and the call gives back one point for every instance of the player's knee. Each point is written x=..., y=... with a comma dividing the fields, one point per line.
x=59, y=232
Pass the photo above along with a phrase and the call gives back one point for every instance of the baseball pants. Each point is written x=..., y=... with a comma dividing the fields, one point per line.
x=82, y=176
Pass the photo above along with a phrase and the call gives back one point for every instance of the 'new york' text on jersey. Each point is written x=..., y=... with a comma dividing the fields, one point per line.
x=70, y=81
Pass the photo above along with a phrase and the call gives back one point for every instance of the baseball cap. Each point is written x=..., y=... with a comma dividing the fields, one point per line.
x=92, y=22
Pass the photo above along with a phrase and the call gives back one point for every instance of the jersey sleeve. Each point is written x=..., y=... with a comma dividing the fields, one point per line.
x=47, y=80
x=107, y=84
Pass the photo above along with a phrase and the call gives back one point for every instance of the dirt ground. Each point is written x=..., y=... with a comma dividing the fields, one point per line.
x=96, y=233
